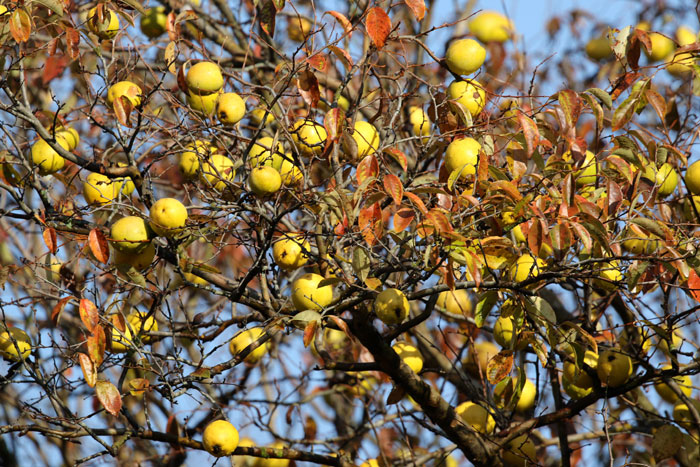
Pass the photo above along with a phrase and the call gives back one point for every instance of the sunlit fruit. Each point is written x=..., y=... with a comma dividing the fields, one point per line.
x=410, y=356
x=154, y=21
x=366, y=137
x=298, y=28
x=686, y=36
x=71, y=136
x=491, y=26
x=506, y=334
x=257, y=114
x=462, y=155
x=137, y=324
x=131, y=91
x=217, y=171
x=683, y=382
x=692, y=178
x=15, y=344
x=476, y=416
x=189, y=161
x=661, y=47
x=610, y=275
x=638, y=242
x=598, y=48
x=465, y=56
x=220, y=438
x=243, y=339
x=230, y=108
x=526, y=267
x=665, y=178
x=504, y=392
x=478, y=357
x=682, y=415
x=588, y=170
x=290, y=251
x=680, y=65
x=614, y=368
x=308, y=136
x=106, y=27
x=130, y=234
x=45, y=158
x=99, y=189
x=391, y=306
x=420, y=123
x=168, y=216
x=203, y=104
x=204, y=78
x=262, y=153
x=290, y=173
x=469, y=93
x=456, y=302
x=307, y=295
x=264, y=180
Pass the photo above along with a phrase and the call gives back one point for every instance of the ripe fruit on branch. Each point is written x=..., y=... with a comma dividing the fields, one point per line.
x=140, y=261
x=476, y=416
x=639, y=242
x=490, y=26
x=168, y=217
x=189, y=160
x=307, y=295
x=137, y=323
x=153, y=23
x=289, y=250
x=15, y=344
x=264, y=180
x=576, y=381
x=469, y=93
x=520, y=452
x=130, y=234
x=614, y=368
x=456, y=302
x=462, y=155
x=308, y=136
x=420, y=123
x=367, y=138
x=45, y=158
x=105, y=29
x=204, y=78
x=506, y=334
x=465, y=56
x=526, y=267
x=588, y=171
x=243, y=339
x=203, y=104
x=692, y=178
x=598, y=48
x=661, y=47
x=230, y=108
x=683, y=382
x=504, y=392
x=298, y=28
x=131, y=91
x=217, y=171
x=391, y=306
x=478, y=357
x=665, y=178
x=410, y=356
x=100, y=190
x=261, y=153
x=220, y=438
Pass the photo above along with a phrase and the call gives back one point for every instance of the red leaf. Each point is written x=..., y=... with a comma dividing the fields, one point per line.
x=571, y=105
x=89, y=314
x=394, y=187
x=532, y=135
x=319, y=61
x=334, y=122
x=89, y=369
x=73, y=43
x=378, y=26
x=535, y=237
x=50, y=239
x=368, y=167
x=694, y=284
x=109, y=396
x=370, y=223
x=417, y=7
x=403, y=218
x=96, y=344
x=98, y=245
x=58, y=309
x=344, y=22
x=20, y=25
x=398, y=156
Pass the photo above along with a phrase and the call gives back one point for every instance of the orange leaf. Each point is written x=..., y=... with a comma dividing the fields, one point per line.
x=342, y=325
x=378, y=26
x=319, y=61
x=417, y=7
x=73, y=43
x=571, y=105
x=694, y=284
x=122, y=110
x=532, y=135
x=89, y=369
x=394, y=187
x=417, y=201
x=20, y=25
x=89, y=314
x=508, y=188
x=398, y=156
x=58, y=309
x=50, y=239
x=96, y=345
x=403, y=218
x=368, y=167
x=137, y=386
x=310, y=332
x=343, y=55
x=98, y=245
x=499, y=366
x=344, y=22
x=109, y=396
x=53, y=67
x=334, y=122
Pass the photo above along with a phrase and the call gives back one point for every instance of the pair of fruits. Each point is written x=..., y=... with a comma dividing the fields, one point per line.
x=132, y=234
x=46, y=159
x=205, y=94
x=215, y=171
x=271, y=167
x=138, y=324
x=99, y=189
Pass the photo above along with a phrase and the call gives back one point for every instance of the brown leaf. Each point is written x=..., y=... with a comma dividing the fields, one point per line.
x=98, y=245
x=109, y=396
x=96, y=345
x=394, y=187
x=657, y=102
x=58, y=309
x=89, y=314
x=310, y=332
x=417, y=7
x=138, y=386
x=395, y=396
x=72, y=43
x=499, y=366
x=89, y=369
x=342, y=325
x=308, y=87
x=368, y=167
x=403, y=218
x=378, y=26
x=334, y=122
x=344, y=22
x=20, y=25
x=122, y=110
x=571, y=105
x=50, y=239
x=310, y=428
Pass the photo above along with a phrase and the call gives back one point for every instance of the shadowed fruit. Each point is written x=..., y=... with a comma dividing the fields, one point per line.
x=203, y=104
x=15, y=344
x=256, y=116
x=189, y=159
x=153, y=22
x=490, y=26
x=683, y=382
x=478, y=357
x=204, y=78
x=168, y=217
x=45, y=158
x=140, y=261
x=220, y=438
x=598, y=48
x=261, y=153
x=505, y=334
x=614, y=368
x=465, y=56
x=476, y=416
x=137, y=324
x=462, y=155
x=130, y=234
x=105, y=29
x=470, y=94
x=410, y=356
x=307, y=295
x=217, y=171
x=682, y=415
x=243, y=339
x=589, y=168
x=264, y=180
x=420, y=123
x=230, y=109
x=298, y=28
x=289, y=250
x=519, y=452
x=391, y=306
x=503, y=393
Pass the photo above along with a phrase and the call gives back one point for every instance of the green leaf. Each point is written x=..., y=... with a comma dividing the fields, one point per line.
x=483, y=308
x=624, y=113
x=53, y=5
x=361, y=263
x=602, y=96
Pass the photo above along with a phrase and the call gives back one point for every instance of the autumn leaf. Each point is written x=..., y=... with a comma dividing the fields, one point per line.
x=89, y=314
x=109, y=396
x=378, y=26
x=499, y=366
x=89, y=369
x=98, y=245
x=417, y=7
x=50, y=239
